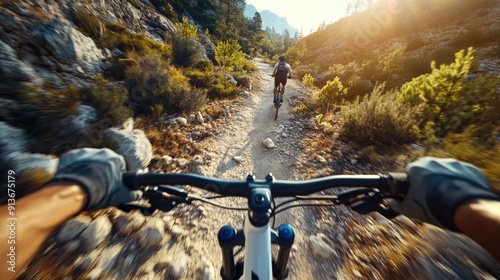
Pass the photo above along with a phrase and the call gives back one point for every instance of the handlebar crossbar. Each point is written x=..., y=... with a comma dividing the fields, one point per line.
x=279, y=188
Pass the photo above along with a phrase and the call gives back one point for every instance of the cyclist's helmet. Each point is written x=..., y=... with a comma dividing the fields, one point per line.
x=282, y=58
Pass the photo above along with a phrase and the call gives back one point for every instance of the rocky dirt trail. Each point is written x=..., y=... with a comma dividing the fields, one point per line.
x=331, y=243
x=239, y=151
x=182, y=244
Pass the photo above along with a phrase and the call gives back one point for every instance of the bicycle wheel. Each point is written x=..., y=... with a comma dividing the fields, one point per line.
x=277, y=104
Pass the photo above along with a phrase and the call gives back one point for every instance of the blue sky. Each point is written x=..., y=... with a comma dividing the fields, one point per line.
x=304, y=14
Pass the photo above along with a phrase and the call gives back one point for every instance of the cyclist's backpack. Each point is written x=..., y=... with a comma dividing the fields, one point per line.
x=282, y=70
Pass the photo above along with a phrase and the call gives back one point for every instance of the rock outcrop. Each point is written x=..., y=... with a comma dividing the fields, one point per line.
x=133, y=145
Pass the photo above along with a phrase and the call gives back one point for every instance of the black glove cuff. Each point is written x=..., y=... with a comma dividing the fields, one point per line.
x=91, y=178
x=450, y=194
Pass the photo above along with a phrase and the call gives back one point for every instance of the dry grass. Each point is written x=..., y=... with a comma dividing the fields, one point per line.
x=181, y=142
x=168, y=141
x=470, y=147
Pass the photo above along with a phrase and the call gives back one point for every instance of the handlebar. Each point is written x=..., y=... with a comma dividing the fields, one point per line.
x=366, y=194
x=393, y=184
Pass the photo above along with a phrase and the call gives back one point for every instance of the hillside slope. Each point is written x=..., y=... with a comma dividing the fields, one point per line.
x=429, y=30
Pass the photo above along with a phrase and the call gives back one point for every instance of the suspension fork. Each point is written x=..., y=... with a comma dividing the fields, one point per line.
x=228, y=239
x=284, y=236
x=258, y=237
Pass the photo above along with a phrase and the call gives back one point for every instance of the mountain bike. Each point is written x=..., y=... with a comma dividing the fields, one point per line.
x=364, y=194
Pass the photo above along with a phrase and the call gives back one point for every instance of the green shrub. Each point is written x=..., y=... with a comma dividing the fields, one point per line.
x=156, y=110
x=354, y=76
x=108, y=100
x=485, y=98
x=215, y=83
x=305, y=109
x=308, y=80
x=204, y=65
x=186, y=29
x=229, y=55
x=118, y=67
x=148, y=83
x=248, y=66
x=378, y=119
x=192, y=100
x=450, y=99
x=344, y=71
x=153, y=81
x=166, y=9
x=393, y=62
x=61, y=103
x=185, y=50
x=357, y=87
x=295, y=53
x=331, y=94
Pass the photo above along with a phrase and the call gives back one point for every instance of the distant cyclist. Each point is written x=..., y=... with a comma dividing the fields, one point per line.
x=281, y=72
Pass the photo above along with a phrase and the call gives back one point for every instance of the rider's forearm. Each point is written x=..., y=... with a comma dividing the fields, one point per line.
x=480, y=220
x=35, y=216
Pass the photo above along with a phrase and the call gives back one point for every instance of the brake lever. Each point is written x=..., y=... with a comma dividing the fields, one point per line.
x=146, y=211
x=366, y=200
x=166, y=198
x=163, y=198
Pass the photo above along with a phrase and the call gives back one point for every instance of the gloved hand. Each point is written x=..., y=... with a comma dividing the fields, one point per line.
x=438, y=187
x=99, y=173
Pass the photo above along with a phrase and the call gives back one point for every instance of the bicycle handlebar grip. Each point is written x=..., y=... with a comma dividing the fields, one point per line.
x=398, y=183
x=129, y=179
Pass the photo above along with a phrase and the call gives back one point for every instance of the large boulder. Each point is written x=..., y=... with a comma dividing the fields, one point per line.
x=133, y=145
x=13, y=141
x=14, y=152
x=28, y=161
x=78, y=123
x=158, y=21
x=14, y=71
x=69, y=46
x=207, y=47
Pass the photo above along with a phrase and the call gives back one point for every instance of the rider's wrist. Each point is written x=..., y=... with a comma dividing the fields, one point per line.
x=68, y=192
x=449, y=194
x=81, y=193
x=477, y=205
x=480, y=220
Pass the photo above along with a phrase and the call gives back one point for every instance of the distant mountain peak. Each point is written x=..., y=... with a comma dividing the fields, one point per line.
x=270, y=20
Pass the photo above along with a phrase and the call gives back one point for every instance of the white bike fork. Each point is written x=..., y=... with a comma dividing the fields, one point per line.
x=258, y=258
